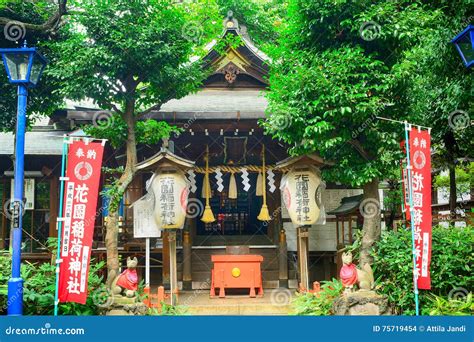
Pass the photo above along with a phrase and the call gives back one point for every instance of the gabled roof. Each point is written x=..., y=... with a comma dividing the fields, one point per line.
x=235, y=88
x=164, y=157
x=247, y=58
x=348, y=205
x=306, y=159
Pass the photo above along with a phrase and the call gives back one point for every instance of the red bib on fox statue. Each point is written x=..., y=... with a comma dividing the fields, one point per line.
x=127, y=282
x=348, y=275
x=128, y=279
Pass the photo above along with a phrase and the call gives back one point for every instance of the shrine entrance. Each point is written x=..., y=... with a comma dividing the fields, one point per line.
x=234, y=216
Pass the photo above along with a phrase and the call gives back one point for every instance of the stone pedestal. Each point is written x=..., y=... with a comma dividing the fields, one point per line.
x=124, y=306
x=361, y=303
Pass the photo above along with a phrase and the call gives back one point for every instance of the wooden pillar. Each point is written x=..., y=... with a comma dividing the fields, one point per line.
x=339, y=245
x=173, y=266
x=327, y=267
x=350, y=230
x=343, y=235
x=283, y=260
x=53, y=206
x=187, y=255
x=302, y=246
x=166, y=259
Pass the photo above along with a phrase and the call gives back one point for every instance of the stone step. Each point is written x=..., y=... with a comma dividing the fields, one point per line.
x=239, y=310
x=267, y=284
x=274, y=302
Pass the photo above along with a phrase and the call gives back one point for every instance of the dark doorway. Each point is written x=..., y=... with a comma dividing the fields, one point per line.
x=233, y=216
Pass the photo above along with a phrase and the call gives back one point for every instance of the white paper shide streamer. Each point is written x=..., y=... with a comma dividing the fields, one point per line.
x=192, y=181
x=245, y=179
x=219, y=180
x=271, y=181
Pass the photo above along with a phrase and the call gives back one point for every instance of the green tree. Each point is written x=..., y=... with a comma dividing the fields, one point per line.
x=38, y=23
x=325, y=91
x=439, y=90
x=262, y=18
x=129, y=57
x=339, y=65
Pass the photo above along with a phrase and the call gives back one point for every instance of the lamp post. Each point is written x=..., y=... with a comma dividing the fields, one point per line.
x=464, y=43
x=24, y=67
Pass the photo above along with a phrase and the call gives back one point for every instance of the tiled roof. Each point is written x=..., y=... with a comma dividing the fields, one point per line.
x=44, y=142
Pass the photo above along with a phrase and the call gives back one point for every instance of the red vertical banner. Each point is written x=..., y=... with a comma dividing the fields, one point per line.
x=420, y=159
x=80, y=202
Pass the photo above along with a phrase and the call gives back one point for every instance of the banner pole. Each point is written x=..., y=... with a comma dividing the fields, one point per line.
x=412, y=221
x=60, y=223
x=404, y=224
x=147, y=262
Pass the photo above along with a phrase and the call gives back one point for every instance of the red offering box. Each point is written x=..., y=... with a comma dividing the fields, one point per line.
x=236, y=272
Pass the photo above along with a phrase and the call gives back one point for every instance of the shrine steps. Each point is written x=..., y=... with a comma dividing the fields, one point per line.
x=274, y=302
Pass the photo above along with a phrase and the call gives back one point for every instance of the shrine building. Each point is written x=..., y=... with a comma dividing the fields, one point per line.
x=223, y=115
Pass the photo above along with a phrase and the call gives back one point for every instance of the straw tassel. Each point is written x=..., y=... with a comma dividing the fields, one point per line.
x=258, y=188
x=264, y=214
x=205, y=184
x=207, y=216
x=232, y=187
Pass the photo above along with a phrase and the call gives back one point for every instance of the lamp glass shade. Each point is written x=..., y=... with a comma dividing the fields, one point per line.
x=466, y=46
x=17, y=64
x=36, y=69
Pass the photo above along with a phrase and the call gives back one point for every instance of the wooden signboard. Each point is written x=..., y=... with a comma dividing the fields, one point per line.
x=144, y=223
x=28, y=192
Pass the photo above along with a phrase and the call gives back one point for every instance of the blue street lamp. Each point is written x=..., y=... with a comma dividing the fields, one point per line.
x=24, y=67
x=464, y=43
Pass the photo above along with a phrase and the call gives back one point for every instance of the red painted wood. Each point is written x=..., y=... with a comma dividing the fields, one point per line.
x=250, y=273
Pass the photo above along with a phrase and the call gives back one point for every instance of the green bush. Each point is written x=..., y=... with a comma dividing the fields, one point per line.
x=451, y=262
x=320, y=303
x=439, y=306
x=39, y=286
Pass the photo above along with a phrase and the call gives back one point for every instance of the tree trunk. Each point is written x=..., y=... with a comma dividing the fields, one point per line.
x=111, y=237
x=370, y=209
x=450, y=145
x=452, y=190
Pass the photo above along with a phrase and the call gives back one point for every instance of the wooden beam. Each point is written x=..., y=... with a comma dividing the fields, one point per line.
x=302, y=247
x=53, y=206
x=166, y=258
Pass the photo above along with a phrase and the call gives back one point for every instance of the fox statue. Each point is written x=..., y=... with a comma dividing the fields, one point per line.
x=127, y=281
x=351, y=275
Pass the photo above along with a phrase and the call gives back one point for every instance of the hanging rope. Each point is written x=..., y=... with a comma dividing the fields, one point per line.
x=237, y=169
x=264, y=214
x=207, y=216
